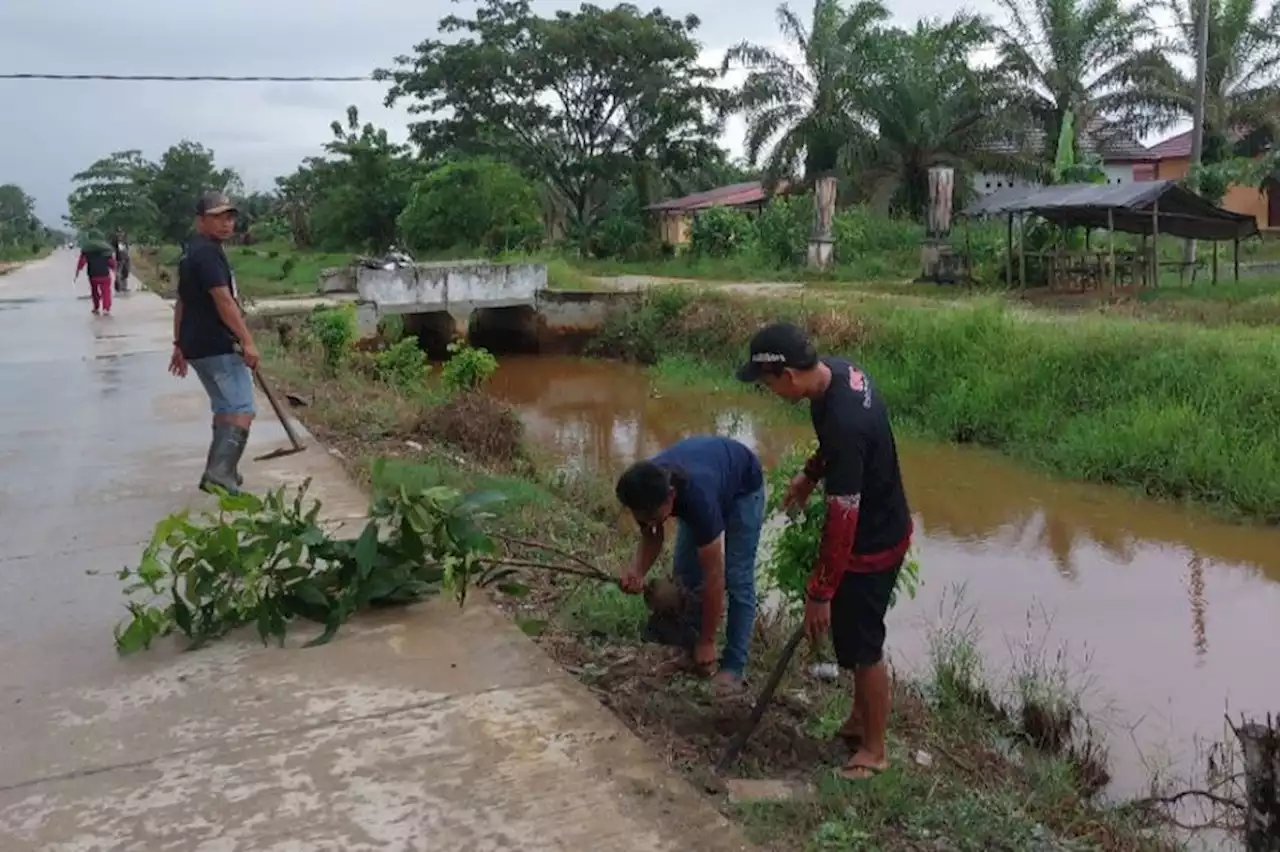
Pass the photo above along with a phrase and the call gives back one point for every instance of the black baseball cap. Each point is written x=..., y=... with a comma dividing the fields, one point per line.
x=777, y=346
x=213, y=204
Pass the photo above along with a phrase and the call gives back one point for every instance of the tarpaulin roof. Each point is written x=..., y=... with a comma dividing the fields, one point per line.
x=1180, y=212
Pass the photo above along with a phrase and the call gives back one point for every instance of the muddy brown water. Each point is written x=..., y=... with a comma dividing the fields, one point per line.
x=1166, y=616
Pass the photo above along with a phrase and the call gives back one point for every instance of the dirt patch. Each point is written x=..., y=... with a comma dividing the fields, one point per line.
x=477, y=424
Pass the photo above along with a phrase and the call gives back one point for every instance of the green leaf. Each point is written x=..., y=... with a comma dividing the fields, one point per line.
x=181, y=613
x=366, y=552
x=515, y=590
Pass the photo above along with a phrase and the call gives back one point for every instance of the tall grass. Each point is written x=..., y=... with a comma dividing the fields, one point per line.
x=1176, y=411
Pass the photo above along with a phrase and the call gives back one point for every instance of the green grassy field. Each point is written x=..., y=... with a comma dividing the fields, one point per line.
x=1176, y=411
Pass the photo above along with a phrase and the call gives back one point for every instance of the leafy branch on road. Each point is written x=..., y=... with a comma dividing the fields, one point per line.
x=266, y=561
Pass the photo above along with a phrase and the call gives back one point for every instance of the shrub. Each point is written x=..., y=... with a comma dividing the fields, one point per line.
x=335, y=330
x=402, y=365
x=719, y=232
x=468, y=367
x=782, y=230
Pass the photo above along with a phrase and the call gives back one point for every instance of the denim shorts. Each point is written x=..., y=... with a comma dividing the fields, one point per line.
x=228, y=381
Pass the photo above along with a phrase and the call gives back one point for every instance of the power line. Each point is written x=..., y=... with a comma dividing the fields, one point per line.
x=167, y=78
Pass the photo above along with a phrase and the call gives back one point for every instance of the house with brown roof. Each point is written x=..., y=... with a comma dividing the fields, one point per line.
x=675, y=215
x=1171, y=160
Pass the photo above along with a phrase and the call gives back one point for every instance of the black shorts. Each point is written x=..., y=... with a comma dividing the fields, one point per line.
x=857, y=616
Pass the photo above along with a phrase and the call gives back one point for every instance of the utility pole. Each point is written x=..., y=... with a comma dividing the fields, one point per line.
x=1197, y=115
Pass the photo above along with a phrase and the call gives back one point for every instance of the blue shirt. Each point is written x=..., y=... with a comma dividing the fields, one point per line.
x=717, y=471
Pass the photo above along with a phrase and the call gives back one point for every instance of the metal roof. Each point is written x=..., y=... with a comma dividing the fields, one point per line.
x=1180, y=213
x=733, y=195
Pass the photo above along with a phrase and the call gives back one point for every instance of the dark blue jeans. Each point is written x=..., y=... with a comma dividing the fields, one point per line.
x=741, y=538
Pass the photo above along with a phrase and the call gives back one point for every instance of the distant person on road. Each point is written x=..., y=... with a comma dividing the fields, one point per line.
x=120, y=243
x=868, y=525
x=97, y=259
x=713, y=486
x=210, y=336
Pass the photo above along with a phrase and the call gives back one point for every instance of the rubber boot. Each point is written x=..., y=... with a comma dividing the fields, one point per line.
x=224, y=456
x=209, y=458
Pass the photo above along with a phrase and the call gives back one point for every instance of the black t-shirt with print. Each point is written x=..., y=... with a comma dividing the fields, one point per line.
x=202, y=268
x=860, y=457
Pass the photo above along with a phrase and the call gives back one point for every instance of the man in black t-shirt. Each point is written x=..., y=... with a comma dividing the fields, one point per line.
x=868, y=525
x=210, y=336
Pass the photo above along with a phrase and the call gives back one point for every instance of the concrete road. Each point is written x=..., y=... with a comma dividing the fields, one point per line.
x=425, y=729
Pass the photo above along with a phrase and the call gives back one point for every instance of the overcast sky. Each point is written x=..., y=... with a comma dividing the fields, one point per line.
x=54, y=129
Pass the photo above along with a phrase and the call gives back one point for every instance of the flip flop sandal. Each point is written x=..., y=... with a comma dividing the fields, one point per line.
x=728, y=687
x=867, y=772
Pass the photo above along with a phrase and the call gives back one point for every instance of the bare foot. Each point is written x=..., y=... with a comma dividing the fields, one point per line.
x=851, y=731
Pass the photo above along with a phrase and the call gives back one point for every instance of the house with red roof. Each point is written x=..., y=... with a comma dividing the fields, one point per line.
x=675, y=215
x=1171, y=160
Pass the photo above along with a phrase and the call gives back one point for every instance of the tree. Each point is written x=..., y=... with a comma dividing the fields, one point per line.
x=582, y=99
x=358, y=193
x=18, y=222
x=1242, y=98
x=184, y=173
x=1085, y=57
x=114, y=192
x=805, y=110
x=476, y=203
x=926, y=106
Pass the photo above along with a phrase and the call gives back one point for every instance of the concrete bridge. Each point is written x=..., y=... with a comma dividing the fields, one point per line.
x=448, y=300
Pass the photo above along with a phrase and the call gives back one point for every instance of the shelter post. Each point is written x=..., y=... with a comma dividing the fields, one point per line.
x=1155, y=243
x=1111, y=249
x=1215, y=262
x=1235, y=246
x=1022, y=251
x=1146, y=264
x=1008, y=252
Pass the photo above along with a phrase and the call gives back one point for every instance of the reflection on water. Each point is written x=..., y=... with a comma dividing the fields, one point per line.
x=1126, y=584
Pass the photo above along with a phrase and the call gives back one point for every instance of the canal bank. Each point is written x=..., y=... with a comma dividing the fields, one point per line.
x=1153, y=611
x=578, y=432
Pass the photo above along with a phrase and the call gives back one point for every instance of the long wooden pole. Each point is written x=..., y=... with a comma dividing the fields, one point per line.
x=1008, y=253
x=1155, y=243
x=1111, y=249
x=1022, y=251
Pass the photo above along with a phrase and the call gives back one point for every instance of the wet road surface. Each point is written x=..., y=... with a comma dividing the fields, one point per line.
x=432, y=728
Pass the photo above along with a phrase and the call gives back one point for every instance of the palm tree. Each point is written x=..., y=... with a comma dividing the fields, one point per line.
x=1241, y=92
x=803, y=109
x=929, y=107
x=1083, y=56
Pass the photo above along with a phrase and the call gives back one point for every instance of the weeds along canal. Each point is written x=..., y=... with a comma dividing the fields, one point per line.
x=1159, y=614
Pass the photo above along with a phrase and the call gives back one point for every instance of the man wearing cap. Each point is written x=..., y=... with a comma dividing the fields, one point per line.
x=868, y=525
x=210, y=336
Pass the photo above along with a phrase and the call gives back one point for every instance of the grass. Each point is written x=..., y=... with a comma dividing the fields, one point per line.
x=966, y=777
x=1173, y=411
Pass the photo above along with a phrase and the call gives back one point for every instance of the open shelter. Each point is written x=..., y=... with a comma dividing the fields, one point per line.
x=1147, y=208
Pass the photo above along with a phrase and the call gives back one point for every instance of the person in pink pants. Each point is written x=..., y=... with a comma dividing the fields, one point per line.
x=100, y=265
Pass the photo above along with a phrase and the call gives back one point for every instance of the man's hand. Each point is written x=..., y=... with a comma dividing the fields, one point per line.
x=178, y=363
x=817, y=619
x=704, y=658
x=251, y=356
x=632, y=582
x=798, y=493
